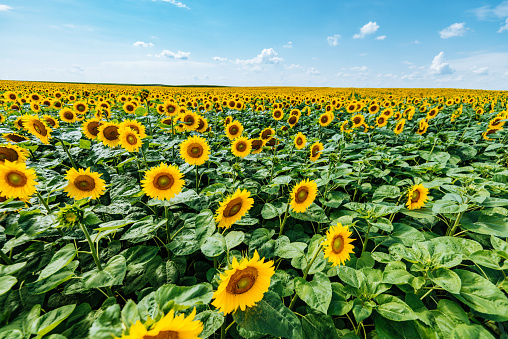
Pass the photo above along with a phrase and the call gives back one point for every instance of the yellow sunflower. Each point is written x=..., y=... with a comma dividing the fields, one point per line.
x=422, y=127
x=293, y=120
x=357, y=120
x=17, y=181
x=302, y=195
x=171, y=108
x=167, y=328
x=416, y=197
x=381, y=121
x=91, y=128
x=163, y=182
x=267, y=134
x=37, y=127
x=108, y=134
x=80, y=107
x=12, y=153
x=14, y=137
x=190, y=120
x=84, y=184
x=135, y=125
x=300, y=140
x=257, y=145
x=325, y=119
x=278, y=114
x=374, y=108
x=233, y=208
x=243, y=285
x=241, y=147
x=51, y=121
x=203, y=125
x=67, y=115
x=399, y=127
x=337, y=246
x=129, y=139
x=234, y=130
x=129, y=107
x=194, y=150
x=315, y=150
x=18, y=123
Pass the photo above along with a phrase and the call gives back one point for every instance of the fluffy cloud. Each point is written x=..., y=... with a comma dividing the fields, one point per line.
x=504, y=27
x=268, y=56
x=456, y=29
x=313, y=71
x=487, y=12
x=368, y=28
x=480, y=70
x=177, y=3
x=142, y=44
x=288, y=45
x=172, y=55
x=381, y=37
x=360, y=69
x=4, y=8
x=219, y=59
x=440, y=67
x=333, y=40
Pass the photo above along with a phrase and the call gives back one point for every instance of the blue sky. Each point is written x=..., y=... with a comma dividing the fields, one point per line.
x=395, y=43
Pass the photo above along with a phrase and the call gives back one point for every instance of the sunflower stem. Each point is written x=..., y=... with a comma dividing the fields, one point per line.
x=284, y=220
x=148, y=116
x=68, y=153
x=166, y=214
x=307, y=269
x=139, y=169
x=366, y=238
x=43, y=201
x=229, y=326
x=144, y=157
x=451, y=231
x=197, y=180
x=5, y=258
x=94, y=255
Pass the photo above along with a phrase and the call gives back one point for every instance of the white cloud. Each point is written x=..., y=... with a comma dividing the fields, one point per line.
x=456, y=29
x=480, y=70
x=503, y=27
x=416, y=42
x=219, y=59
x=438, y=66
x=292, y=66
x=172, y=55
x=288, y=45
x=381, y=37
x=333, y=40
x=486, y=12
x=4, y=8
x=358, y=68
x=142, y=44
x=76, y=69
x=268, y=56
x=369, y=28
x=313, y=71
x=176, y=3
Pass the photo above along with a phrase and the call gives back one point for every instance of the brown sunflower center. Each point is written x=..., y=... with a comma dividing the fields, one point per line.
x=15, y=137
x=12, y=96
x=131, y=139
x=256, y=144
x=242, y=280
x=266, y=134
x=232, y=208
x=68, y=115
x=241, y=146
x=302, y=194
x=195, y=150
x=51, y=122
x=163, y=181
x=163, y=335
x=189, y=120
x=111, y=132
x=93, y=128
x=277, y=114
x=80, y=108
x=129, y=108
x=16, y=179
x=201, y=124
x=8, y=154
x=233, y=130
x=338, y=244
x=315, y=151
x=40, y=128
x=292, y=120
x=324, y=119
x=299, y=141
x=357, y=120
x=84, y=183
x=415, y=196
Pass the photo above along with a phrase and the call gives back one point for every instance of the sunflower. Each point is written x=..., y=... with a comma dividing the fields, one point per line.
x=234, y=130
x=257, y=145
x=374, y=108
x=351, y=107
x=35, y=97
x=416, y=197
x=302, y=195
x=202, y=125
x=267, y=134
x=315, y=150
x=17, y=181
x=325, y=119
x=108, y=134
x=70, y=215
x=243, y=285
x=388, y=113
x=10, y=96
x=228, y=120
x=14, y=137
x=194, y=150
x=381, y=121
x=80, y=107
x=278, y=114
x=432, y=113
x=163, y=182
x=84, y=184
x=358, y=120
x=241, y=147
x=422, y=127
x=91, y=128
x=496, y=123
x=293, y=120
x=233, y=208
x=300, y=140
x=170, y=108
x=18, y=123
x=51, y=121
x=190, y=120
x=399, y=127
x=337, y=246
x=134, y=125
x=12, y=153
x=67, y=115
x=167, y=328
x=129, y=107
x=37, y=127
x=35, y=107
x=129, y=139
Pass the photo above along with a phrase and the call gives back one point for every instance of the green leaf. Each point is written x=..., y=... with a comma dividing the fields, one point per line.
x=485, y=222
x=11, y=334
x=386, y=191
x=319, y=326
x=212, y=321
x=270, y=307
x=52, y=319
x=388, y=329
x=282, y=180
x=140, y=111
x=234, y=238
x=351, y=276
x=288, y=250
x=182, y=297
x=471, y=331
x=60, y=259
x=483, y=296
x=33, y=223
x=313, y=213
x=113, y=274
x=394, y=309
x=142, y=230
x=54, y=280
x=489, y=259
x=139, y=255
x=114, y=224
x=6, y=283
x=448, y=207
x=339, y=304
x=383, y=224
x=205, y=226
x=214, y=245
x=130, y=313
x=446, y=278
x=270, y=210
x=317, y=293
x=11, y=269
x=362, y=309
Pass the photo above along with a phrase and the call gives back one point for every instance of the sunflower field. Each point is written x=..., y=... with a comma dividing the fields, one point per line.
x=191, y=212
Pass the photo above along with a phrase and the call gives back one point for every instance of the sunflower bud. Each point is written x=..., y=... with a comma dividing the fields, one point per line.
x=70, y=215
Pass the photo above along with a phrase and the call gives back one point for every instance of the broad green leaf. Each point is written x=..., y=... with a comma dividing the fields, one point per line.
x=339, y=304
x=60, y=259
x=394, y=309
x=362, y=309
x=212, y=321
x=54, y=280
x=205, y=226
x=112, y=274
x=489, y=259
x=52, y=319
x=288, y=250
x=11, y=269
x=234, y=238
x=142, y=230
x=446, y=278
x=272, y=210
x=317, y=293
x=471, y=331
x=114, y=224
x=139, y=255
x=383, y=224
x=386, y=191
x=270, y=307
x=388, y=329
x=351, y=276
x=214, y=245
x=130, y=313
x=319, y=327
x=487, y=223
x=6, y=283
x=313, y=213
x=182, y=297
